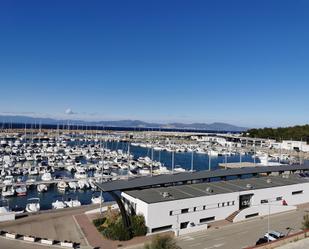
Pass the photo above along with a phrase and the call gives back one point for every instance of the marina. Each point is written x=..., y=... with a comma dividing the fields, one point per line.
x=62, y=166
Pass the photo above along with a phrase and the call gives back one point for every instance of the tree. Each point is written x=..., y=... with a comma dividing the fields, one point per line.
x=162, y=242
x=138, y=225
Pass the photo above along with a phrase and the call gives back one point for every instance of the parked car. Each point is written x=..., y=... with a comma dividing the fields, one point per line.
x=273, y=235
x=261, y=241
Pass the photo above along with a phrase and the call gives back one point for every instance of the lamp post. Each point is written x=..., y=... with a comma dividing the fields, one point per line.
x=268, y=220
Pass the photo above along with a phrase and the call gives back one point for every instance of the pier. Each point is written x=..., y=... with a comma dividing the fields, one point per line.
x=66, y=180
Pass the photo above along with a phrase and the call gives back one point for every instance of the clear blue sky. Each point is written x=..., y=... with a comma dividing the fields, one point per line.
x=242, y=62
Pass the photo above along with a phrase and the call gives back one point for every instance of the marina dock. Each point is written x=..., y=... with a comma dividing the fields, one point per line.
x=66, y=180
x=237, y=165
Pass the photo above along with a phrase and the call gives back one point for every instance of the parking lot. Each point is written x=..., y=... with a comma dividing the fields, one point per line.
x=243, y=234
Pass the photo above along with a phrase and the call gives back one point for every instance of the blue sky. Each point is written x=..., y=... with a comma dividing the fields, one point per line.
x=242, y=62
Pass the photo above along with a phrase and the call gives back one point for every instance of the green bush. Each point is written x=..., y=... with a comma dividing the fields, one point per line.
x=162, y=242
x=138, y=225
x=116, y=231
x=112, y=227
x=98, y=222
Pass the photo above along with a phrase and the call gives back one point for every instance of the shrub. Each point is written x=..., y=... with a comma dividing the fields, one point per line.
x=112, y=226
x=98, y=222
x=116, y=231
x=162, y=242
x=138, y=225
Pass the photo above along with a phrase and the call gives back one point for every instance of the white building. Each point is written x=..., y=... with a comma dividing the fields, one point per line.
x=215, y=139
x=188, y=208
x=295, y=145
x=291, y=145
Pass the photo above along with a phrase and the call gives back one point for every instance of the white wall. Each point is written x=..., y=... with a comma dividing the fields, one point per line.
x=158, y=214
x=290, y=145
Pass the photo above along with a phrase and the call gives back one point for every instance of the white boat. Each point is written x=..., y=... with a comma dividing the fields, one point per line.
x=33, y=205
x=97, y=200
x=83, y=184
x=80, y=173
x=58, y=204
x=46, y=177
x=73, y=203
x=213, y=153
x=73, y=185
x=179, y=169
x=92, y=185
x=33, y=171
x=41, y=188
x=8, y=180
x=7, y=191
x=62, y=186
x=21, y=190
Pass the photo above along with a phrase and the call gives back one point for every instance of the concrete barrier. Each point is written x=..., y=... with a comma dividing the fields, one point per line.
x=28, y=238
x=47, y=241
x=67, y=244
x=10, y=235
x=37, y=240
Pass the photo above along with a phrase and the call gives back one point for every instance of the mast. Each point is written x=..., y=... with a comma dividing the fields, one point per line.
x=173, y=161
x=128, y=170
x=192, y=161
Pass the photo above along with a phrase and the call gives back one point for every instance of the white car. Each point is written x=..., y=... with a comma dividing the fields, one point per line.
x=273, y=235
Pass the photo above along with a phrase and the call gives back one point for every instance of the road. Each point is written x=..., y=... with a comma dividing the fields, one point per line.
x=13, y=244
x=242, y=234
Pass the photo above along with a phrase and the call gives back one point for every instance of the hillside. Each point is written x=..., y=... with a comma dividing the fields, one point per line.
x=299, y=132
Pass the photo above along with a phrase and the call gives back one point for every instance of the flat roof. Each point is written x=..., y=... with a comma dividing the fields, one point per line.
x=149, y=181
x=155, y=195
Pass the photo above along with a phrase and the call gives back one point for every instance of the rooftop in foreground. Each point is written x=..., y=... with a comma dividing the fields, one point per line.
x=149, y=181
x=154, y=195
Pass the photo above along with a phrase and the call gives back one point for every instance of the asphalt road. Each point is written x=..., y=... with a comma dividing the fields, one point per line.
x=13, y=244
x=242, y=234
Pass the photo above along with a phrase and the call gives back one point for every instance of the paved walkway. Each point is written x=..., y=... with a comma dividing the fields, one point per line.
x=300, y=244
x=57, y=225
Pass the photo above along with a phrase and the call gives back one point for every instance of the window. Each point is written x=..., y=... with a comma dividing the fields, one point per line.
x=204, y=207
x=158, y=229
x=251, y=215
x=184, y=224
x=297, y=192
x=228, y=203
x=185, y=210
x=279, y=198
x=218, y=205
x=264, y=201
x=233, y=203
x=223, y=204
x=171, y=213
x=194, y=209
x=207, y=219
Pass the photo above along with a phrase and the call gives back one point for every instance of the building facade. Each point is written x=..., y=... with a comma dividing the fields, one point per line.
x=188, y=208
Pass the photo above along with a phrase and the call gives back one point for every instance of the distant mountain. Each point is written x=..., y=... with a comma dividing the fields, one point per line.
x=121, y=123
